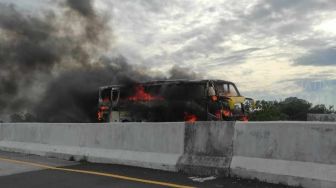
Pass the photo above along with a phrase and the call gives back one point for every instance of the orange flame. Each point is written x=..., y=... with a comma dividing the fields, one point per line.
x=102, y=108
x=190, y=118
x=141, y=95
x=226, y=113
x=100, y=115
x=100, y=112
x=245, y=118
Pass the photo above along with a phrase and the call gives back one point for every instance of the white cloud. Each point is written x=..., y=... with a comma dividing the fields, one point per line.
x=328, y=26
x=253, y=43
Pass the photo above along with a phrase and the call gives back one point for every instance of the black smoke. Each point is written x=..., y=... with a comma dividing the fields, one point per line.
x=73, y=96
x=37, y=50
x=177, y=72
x=52, y=63
x=83, y=7
x=26, y=50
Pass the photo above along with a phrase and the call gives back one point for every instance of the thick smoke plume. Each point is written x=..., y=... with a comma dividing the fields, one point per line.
x=51, y=64
x=73, y=96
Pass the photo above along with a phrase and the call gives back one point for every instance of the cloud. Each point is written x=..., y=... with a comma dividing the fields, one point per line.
x=235, y=57
x=263, y=37
x=314, y=42
x=318, y=57
x=315, y=88
x=269, y=10
x=290, y=18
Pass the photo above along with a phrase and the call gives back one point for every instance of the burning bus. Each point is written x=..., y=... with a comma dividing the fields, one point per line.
x=173, y=100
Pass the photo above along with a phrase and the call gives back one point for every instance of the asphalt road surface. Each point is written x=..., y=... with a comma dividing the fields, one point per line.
x=30, y=171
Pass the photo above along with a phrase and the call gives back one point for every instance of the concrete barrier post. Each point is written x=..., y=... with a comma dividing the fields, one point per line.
x=207, y=148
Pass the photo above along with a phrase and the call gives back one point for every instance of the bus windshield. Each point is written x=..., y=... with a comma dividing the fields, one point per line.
x=226, y=90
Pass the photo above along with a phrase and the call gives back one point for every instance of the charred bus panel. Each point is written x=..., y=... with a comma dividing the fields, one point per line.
x=108, y=100
x=204, y=100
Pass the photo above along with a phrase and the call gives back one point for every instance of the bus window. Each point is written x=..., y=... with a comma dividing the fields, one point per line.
x=222, y=89
x=175, y=92
x=105, y=94
x=127, y=91
x=195, y=91
x=232, y=90
x=115, y=96
x=154, y=90
x=226, y=89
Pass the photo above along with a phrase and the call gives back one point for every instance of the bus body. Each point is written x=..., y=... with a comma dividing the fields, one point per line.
x=173, y=100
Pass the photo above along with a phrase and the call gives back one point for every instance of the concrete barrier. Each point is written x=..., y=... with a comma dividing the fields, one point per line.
x=203, y=148
x=151, y=145
x=207, y=148
x=292, y=153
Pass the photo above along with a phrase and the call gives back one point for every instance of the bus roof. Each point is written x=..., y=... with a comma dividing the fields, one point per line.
x=181, y=81
x=160, y=82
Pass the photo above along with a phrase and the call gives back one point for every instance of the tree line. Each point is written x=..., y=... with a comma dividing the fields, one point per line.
x=292, y=108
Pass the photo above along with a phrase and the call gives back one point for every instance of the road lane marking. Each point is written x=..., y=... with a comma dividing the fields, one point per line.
x=95, y=173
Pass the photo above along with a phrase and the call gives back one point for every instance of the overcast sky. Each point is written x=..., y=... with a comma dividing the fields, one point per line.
x=271, y=49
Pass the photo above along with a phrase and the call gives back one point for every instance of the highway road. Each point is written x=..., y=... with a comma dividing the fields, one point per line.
x=30, y=171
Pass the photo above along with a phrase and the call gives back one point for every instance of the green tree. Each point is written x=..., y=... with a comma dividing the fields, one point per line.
x=291, y=108
x=319, y=109
x=331, y=109
x=267, y=111
x=296, y=109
